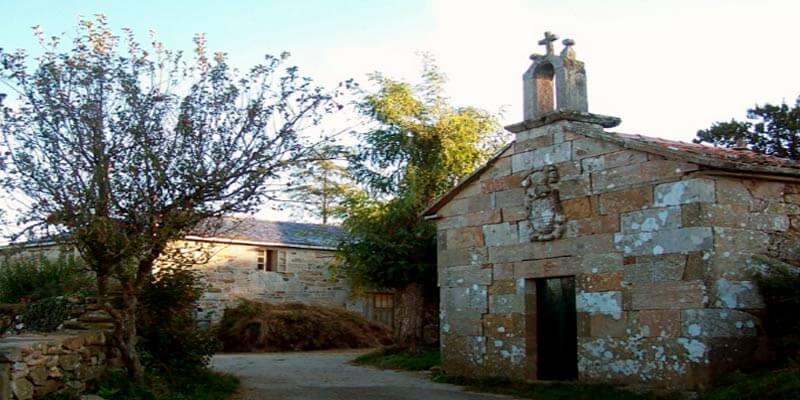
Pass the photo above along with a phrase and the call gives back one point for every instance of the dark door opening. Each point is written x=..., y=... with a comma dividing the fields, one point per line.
x=557, y=331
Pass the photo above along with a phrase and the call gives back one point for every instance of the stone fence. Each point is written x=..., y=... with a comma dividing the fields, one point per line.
x=35, y=365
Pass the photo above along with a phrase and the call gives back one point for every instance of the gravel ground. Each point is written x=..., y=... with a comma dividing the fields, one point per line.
x=328, y=375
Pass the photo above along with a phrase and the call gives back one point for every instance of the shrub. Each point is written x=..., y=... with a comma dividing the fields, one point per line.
x=45, y=315
x=252, y=326
x=25, y=278
x=170, y=339
x=199, y=384
x=780, y=287
x=395, y=358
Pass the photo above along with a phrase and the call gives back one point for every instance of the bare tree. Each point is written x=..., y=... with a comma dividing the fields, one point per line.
x=123, y=150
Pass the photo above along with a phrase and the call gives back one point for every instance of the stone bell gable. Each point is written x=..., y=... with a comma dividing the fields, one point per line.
x=581, y=254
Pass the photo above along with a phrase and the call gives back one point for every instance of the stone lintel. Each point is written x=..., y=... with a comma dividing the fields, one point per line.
x=603, y=120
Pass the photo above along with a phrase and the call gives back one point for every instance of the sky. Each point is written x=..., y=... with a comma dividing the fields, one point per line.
x=667, y=68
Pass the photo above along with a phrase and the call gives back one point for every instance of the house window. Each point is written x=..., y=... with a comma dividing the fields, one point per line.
x=271, y=260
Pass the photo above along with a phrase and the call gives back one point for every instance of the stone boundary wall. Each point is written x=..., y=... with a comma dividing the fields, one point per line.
x=33, y=366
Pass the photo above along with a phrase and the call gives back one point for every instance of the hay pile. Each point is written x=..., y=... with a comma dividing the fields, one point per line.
x=257, y=327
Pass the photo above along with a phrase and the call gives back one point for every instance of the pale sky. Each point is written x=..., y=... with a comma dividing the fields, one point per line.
x=667, y=68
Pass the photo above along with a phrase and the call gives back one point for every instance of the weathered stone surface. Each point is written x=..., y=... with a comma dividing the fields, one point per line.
x=655, y=269
x=463, y=326
x=612, y=160
x=736, y=294
x=578, y=208
x=540, y=157
x=459, y=257
x=514, y=214
x=506, y=303
x=654, y=219
x=504, y=183
x=22, y=389
x=599, y=282
x=593, y=226
x=500, y=234
x=669, y=295
x=661, y=323
x=465, y=237
x=626, y=200
x=467, y=276
x=664, y=242
x=599, y=263
x=600, y=303
x=718, y=323
x=562, y=266
x=684, y=192
x=729, y=241
x=533, y=144
x=588, y=147
x=607, y=326
x=465, y=302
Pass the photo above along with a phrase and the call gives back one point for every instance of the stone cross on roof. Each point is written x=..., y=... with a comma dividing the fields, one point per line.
x=548, y=40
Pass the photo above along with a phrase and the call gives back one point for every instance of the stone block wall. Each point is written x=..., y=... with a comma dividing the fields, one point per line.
x=231, y=274
x=661, y=251
x=33, y=366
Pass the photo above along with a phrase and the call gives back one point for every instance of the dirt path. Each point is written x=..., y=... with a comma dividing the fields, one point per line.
x=329, y=376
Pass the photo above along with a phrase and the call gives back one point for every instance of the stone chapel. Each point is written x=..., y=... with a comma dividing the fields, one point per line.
x=577, y=253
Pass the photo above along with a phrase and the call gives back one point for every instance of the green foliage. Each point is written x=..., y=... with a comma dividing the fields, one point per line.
x=780, y=287
x=770, y=129
x=26, y=278
x=394, y=358
x=419, y=147
x=320, y=188
x=45, y=315
x=255, y=327
x=200, y=384
x=122, y=148
x=170, y=339
x=772, y=385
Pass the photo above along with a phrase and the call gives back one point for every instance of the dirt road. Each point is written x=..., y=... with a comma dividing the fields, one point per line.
x=329, y=376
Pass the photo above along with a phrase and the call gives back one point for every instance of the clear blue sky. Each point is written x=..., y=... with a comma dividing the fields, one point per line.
x=667, y=68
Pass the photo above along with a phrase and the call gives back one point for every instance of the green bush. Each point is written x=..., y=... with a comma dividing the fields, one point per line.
x=45, y=315
x=30, y=278
x=780, y=288
x=200, y=384
x=170, y=339
x=772, y=385
x=395, y=358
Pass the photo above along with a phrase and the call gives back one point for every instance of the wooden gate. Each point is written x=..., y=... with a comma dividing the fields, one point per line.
x=557, y=332
x=380, y=307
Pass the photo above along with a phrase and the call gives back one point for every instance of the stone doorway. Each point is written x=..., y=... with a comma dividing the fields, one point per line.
x=556, y=329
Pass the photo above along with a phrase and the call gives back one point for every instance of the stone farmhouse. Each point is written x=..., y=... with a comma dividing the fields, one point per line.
x=270, y=261
x=581, y=254
x=278, y=262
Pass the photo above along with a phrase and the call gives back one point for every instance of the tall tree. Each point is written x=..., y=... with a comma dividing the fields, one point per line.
x=124, y=150
x=770, y=129
x=319, y=189
x=418, y=148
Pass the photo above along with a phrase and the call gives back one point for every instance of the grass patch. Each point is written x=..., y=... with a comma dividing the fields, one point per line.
x=544, y=391
x=201, y=384
x=773, y=385
x=256, y=327
x=396, y=359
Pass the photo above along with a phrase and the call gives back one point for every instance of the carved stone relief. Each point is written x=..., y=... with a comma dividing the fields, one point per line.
x=545, y=215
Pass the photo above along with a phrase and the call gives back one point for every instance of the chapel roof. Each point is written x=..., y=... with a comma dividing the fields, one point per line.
x=273, y=233
x=711, y=157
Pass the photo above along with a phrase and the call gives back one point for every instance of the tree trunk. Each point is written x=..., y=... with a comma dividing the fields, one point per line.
x=124, y=336
x=409, y=316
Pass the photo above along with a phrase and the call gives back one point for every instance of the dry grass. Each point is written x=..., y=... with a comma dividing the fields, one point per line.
x=257, y=327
